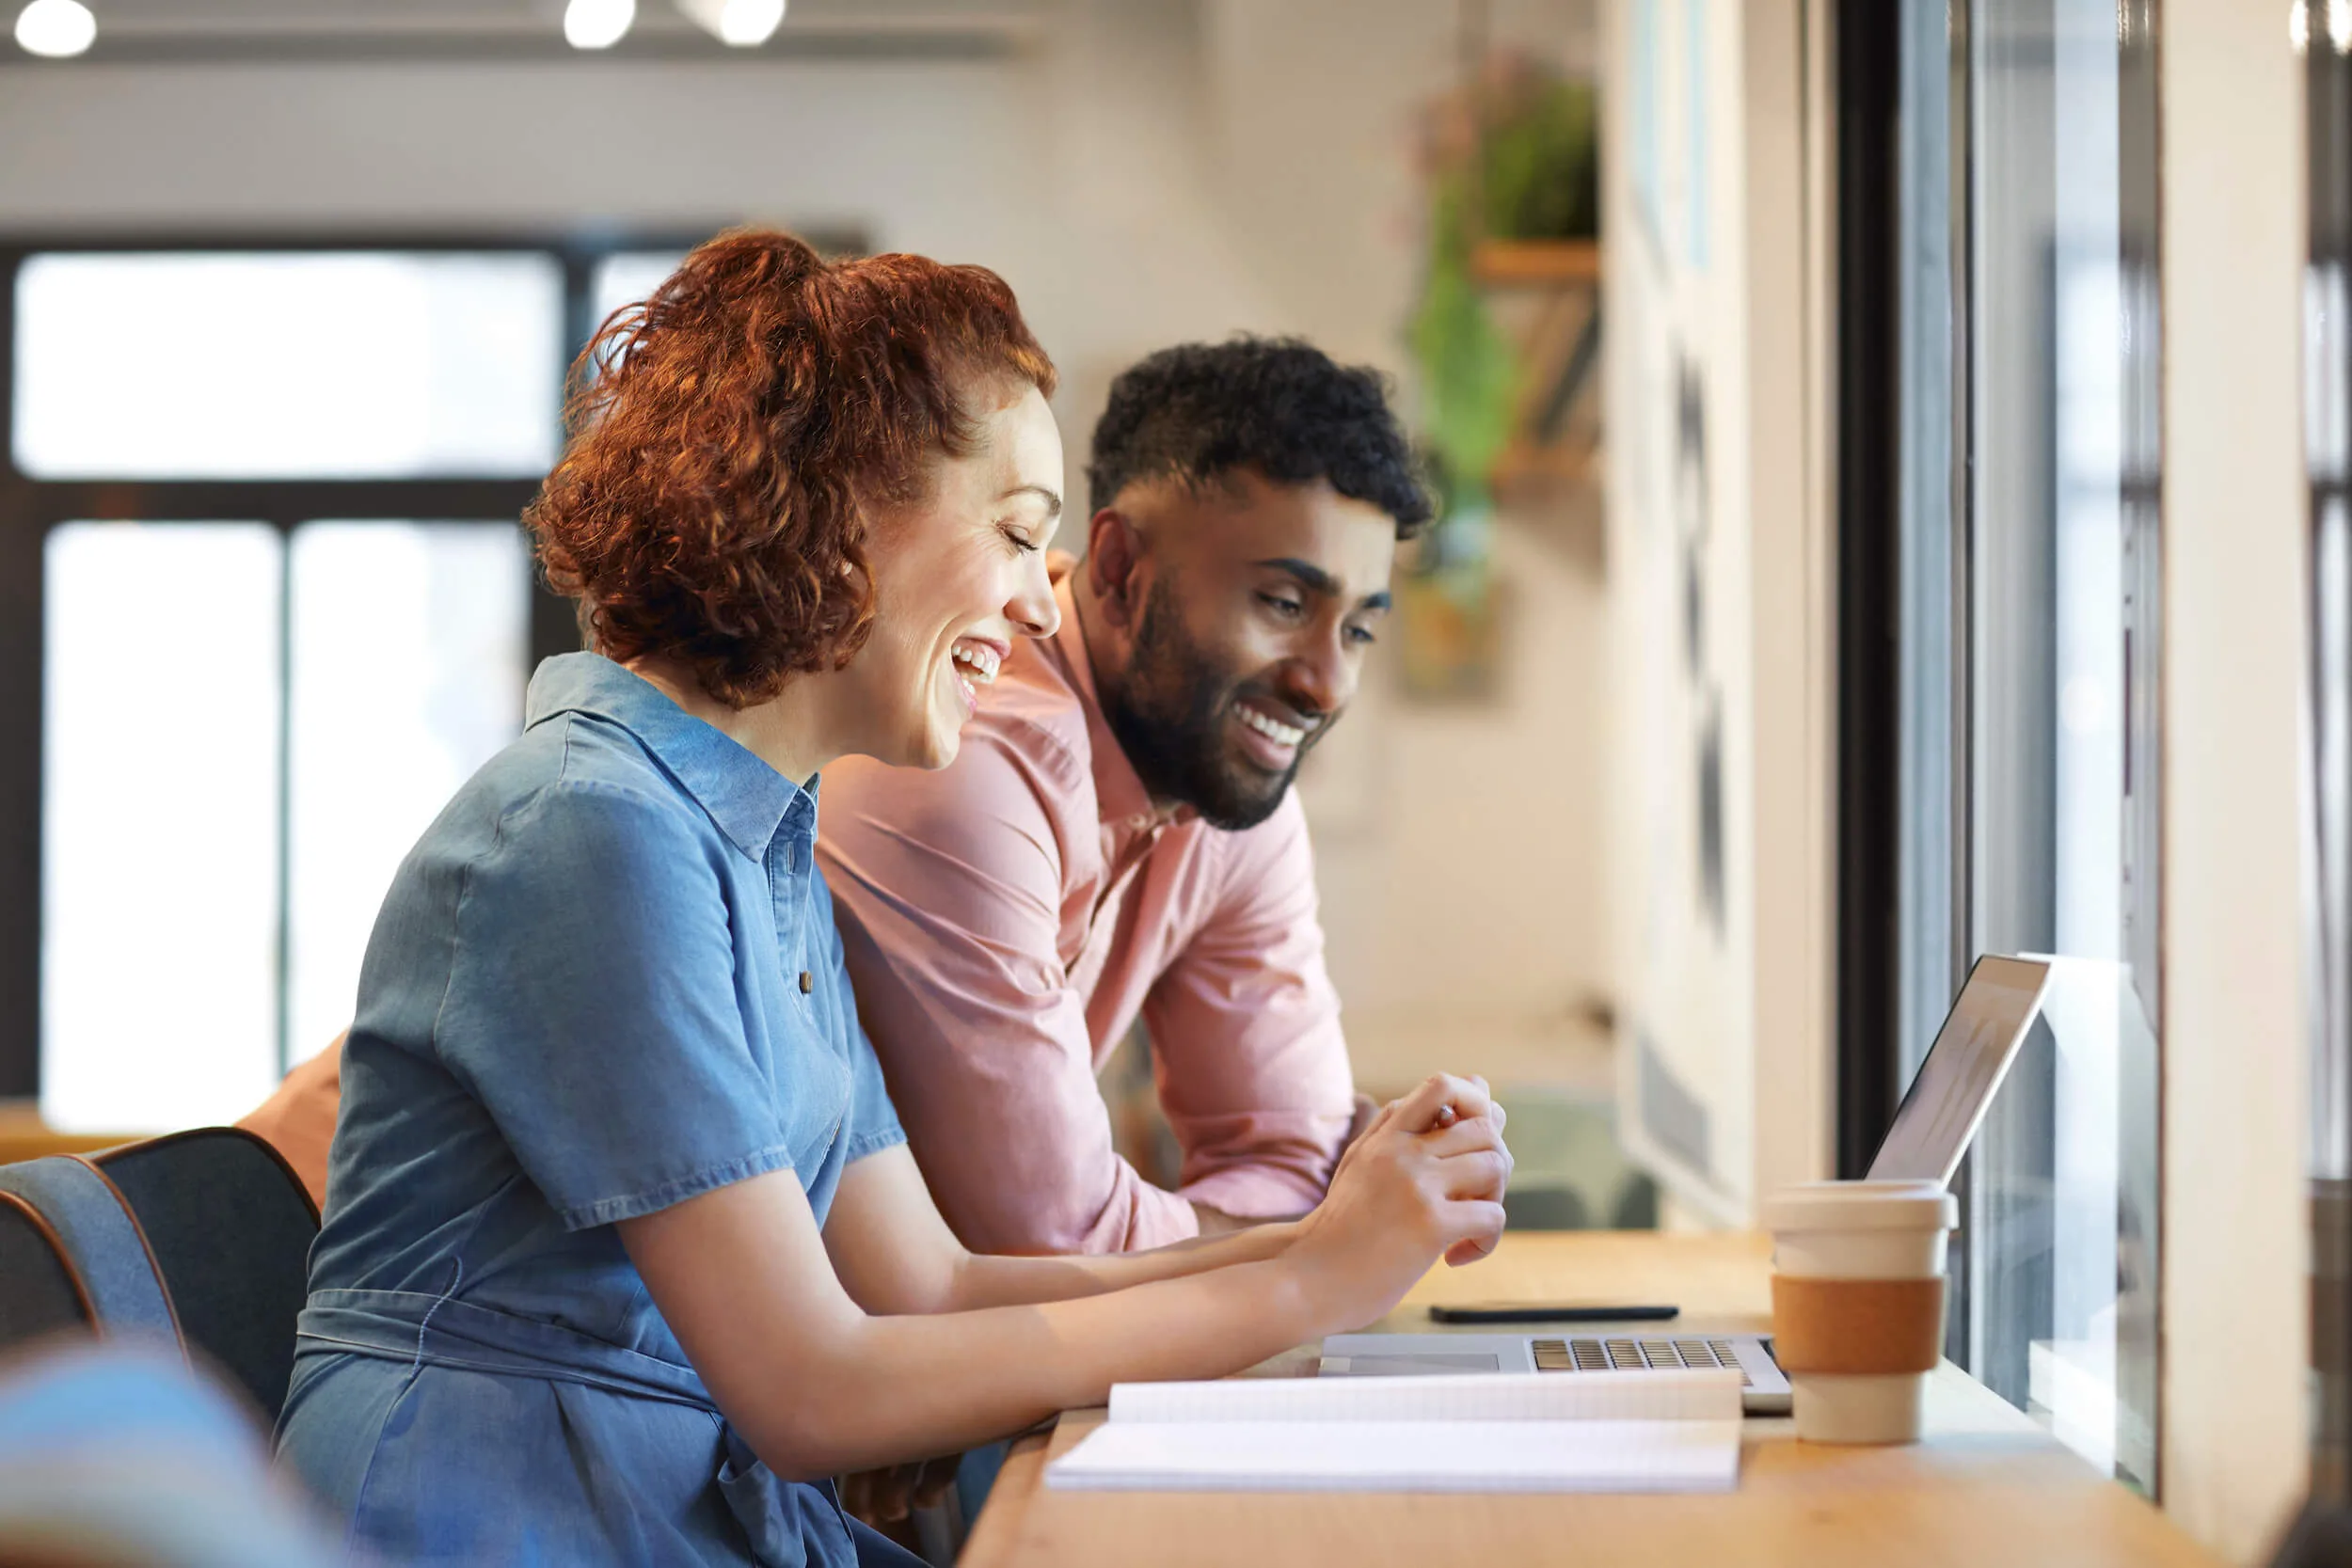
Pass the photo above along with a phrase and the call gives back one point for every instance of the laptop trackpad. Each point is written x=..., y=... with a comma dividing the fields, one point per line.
x=1421, y=1364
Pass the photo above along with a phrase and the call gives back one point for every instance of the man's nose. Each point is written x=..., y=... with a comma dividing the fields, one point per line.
x=1320, y=679
x=1033, y=608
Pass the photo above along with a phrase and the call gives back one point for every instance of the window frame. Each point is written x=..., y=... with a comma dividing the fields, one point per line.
x=2327, y=415
x=30, y=508
x=1887, y=946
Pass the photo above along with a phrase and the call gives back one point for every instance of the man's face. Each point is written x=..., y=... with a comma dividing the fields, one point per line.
x=1258, y=603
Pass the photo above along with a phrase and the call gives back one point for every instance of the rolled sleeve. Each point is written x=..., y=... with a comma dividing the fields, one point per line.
x=593, y=1007
x=1245, y=1024
x=982, y=1038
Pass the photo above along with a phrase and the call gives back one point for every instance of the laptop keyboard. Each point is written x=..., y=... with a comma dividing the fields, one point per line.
x=1602, y=1355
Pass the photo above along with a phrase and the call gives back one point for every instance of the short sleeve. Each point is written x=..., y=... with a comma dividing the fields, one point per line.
x=873, y=1123
x=593, y=1006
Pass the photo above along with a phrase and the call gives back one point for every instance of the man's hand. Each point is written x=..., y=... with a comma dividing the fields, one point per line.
x=888, y=1495
x=1367, y=1121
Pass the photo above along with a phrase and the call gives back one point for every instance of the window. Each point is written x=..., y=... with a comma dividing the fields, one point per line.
x=359, y=364
x=158, y=987
x=406, y=647
x=627, y=276
x=2327, y=447
x=263, y=607
x=2009, y=247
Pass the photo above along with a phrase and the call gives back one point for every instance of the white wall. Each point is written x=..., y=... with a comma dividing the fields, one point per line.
x=1152, y=171
x=2234, y=521
x=1707, y=223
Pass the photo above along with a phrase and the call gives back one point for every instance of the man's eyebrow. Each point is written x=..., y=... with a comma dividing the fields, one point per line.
x=1052, y=500
x=1316, y=580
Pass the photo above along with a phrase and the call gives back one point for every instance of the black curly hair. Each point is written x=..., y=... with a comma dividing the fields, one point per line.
x=1199, y=411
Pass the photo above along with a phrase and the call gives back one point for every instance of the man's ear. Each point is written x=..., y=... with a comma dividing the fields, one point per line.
x=1114, y=551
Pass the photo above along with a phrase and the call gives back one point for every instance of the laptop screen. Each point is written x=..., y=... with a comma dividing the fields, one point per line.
x=1972, y=1051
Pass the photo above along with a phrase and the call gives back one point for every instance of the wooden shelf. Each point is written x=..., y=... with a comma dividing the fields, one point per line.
x=1523, y=462
x=1535, y=263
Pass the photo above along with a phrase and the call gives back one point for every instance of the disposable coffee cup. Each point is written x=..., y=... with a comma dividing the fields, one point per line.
x=1858, y=1303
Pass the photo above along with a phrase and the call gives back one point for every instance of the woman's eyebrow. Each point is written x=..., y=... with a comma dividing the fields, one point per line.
x=1052, y=499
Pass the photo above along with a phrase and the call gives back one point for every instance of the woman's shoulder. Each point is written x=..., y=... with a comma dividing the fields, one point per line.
x=577, y=797
x=578, y=763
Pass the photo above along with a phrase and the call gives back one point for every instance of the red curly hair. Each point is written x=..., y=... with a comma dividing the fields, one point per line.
x=726, y=434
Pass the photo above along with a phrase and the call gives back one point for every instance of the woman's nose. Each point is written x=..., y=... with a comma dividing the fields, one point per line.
x=1034, y=610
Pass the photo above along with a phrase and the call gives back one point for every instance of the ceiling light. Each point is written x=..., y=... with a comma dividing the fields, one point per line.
x=597, y=24
x=56, y=27
x=741, y=23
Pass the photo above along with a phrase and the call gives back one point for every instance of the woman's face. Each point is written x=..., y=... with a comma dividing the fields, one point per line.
x=958, y=577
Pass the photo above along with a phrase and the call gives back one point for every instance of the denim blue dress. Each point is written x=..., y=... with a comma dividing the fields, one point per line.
x=606, y=980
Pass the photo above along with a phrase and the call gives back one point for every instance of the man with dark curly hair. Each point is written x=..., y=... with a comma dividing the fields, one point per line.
x=1118, y=835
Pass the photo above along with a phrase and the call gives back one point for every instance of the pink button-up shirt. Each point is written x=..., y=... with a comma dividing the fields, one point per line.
x=1007, y=917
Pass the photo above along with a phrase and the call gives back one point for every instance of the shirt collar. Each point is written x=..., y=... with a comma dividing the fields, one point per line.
x=746, y=798
x=1120, y=797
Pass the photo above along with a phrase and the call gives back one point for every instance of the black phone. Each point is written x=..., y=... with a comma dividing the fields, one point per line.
x=1551, y=1312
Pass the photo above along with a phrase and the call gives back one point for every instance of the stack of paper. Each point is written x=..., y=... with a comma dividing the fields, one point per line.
x=1534, y=1431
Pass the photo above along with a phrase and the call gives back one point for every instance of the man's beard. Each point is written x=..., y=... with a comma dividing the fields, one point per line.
x=1169, y=714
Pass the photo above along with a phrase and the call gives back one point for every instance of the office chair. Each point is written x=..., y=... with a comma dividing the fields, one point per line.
x=204, y=1237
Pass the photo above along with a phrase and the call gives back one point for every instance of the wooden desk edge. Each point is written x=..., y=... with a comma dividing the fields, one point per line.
x=997, y=1531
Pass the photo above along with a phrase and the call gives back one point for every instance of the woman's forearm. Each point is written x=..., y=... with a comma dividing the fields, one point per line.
x=989, y=1281
x=886, y=1388
x=819, y=1383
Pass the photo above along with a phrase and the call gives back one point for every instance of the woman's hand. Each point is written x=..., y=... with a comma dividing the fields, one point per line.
x=1426, y=1179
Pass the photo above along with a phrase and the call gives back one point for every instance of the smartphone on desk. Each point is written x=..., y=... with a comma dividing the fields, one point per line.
x=1551, y=1312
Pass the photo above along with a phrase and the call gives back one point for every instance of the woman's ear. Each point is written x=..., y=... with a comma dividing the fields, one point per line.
x=1114, y=551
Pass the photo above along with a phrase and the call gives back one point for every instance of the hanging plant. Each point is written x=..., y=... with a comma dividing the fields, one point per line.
x=1518, y=161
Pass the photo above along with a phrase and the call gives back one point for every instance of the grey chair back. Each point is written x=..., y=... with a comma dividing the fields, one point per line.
x=230, y=1226
x=201, y=1239
x=71, y=1256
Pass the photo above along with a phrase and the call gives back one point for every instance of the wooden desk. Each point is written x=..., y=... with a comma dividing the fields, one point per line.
x=24, y=1137
x=1988, y=1486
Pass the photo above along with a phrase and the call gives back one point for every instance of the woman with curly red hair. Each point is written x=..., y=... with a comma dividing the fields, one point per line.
x=622, y=1249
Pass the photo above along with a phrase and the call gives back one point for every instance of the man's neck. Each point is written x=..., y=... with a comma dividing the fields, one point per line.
x=1092, y=634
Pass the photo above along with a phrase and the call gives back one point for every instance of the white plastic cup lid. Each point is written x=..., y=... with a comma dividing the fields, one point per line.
x=1861, y=1206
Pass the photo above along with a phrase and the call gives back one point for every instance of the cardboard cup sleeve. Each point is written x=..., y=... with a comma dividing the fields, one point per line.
x=1858, y=1326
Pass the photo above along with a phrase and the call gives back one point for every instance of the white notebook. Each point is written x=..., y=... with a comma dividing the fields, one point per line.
x=1598, y=1431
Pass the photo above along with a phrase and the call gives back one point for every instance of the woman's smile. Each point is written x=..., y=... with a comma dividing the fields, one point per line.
x=972, y=661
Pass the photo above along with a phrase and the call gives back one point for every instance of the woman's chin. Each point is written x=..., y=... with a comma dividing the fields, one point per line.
x=935, y=747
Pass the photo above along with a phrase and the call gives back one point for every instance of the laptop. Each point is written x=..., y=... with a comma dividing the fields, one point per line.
x=1939, y=1115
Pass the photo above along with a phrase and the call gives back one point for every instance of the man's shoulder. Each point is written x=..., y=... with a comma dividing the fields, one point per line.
x=1029, y=739
x=1032, y=709
x=1270, y=859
